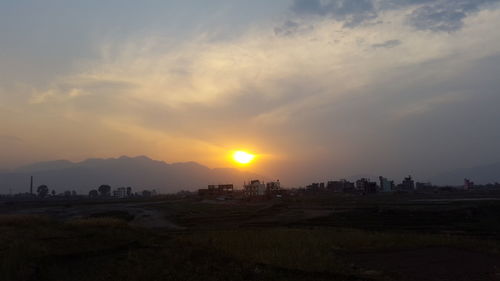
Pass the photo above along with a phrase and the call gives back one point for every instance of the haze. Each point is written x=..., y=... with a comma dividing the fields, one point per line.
x=317, y=89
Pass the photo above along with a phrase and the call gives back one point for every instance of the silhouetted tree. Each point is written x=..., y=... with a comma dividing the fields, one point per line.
x=53, y=192
x=67, y=193
x=42, y=191
x=93, y=193
x=129, y=191
x=104, y=190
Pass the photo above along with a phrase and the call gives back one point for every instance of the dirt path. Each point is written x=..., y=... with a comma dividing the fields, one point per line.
x=151, y=218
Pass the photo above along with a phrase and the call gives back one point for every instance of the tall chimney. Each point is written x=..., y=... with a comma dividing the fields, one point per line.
x=31, y=185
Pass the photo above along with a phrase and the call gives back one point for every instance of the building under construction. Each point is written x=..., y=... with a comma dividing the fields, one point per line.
x=217, y=190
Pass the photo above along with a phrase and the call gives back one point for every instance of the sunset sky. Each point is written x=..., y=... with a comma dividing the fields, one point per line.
x=316, y=89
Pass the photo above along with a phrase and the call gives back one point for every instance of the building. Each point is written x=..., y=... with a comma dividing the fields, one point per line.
x=273, y=188
x=424, y=186
x=254, y=188
x=120, y=192
x=468, y=184
x=217, y=190
x=316, y=187
x=386, y=185
x=149, y=193
x=340, y=186
x=366, y=186
x=335, y=186
x=407, y=185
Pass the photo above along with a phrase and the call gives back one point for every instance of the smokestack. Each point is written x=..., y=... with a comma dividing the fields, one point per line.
x=31, y=185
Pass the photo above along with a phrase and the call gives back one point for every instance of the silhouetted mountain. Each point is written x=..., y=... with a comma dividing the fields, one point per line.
x=480, y=174
x=138, y=172
x=45, y=166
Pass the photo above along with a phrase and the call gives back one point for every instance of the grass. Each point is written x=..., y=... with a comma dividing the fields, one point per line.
x=27, y=242
x=221, y=244
x=37, y=248
x=321, y=249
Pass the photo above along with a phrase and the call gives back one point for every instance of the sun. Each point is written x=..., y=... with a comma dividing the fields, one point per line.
x=243, y=157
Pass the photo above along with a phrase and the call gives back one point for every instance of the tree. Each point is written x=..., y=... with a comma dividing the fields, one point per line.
x=42, y=191
x=129, y=191
x=104, y=190
x=93, y=193
x=53, y=192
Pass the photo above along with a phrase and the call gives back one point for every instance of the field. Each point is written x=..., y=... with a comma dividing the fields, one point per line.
x=315, y=237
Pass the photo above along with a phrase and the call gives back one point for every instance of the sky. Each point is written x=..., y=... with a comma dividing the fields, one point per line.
x=317, y=89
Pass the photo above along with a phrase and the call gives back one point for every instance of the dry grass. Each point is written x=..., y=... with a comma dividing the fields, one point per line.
x=320, y=249
x=98, y=222
x=23, y=220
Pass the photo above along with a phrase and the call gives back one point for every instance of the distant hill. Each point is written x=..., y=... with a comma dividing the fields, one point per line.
x=480, y=174
x=138, y=172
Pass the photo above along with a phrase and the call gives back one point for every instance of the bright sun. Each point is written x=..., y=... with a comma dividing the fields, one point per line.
x=243, y=157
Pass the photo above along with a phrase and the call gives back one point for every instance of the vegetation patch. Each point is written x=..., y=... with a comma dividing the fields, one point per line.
x=120, y=215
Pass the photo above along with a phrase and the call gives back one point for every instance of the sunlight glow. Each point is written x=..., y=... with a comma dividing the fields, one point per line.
x=243, y=157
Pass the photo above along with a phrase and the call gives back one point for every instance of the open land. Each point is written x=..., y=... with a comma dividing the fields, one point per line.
x=410, y=237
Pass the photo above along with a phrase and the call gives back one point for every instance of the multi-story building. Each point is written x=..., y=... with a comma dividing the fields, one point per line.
x=468, y=184
x=364, y=185
x=424, y=186
x=386, y=185
x=273, y=188
x=254, y=188
x=120, y=192
x=340, y=186
x=217, y=190
x=316, y=187
x=407, y=185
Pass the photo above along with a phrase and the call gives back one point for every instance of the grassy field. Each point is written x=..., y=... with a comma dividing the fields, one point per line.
x=36, y=248
x=299, y=239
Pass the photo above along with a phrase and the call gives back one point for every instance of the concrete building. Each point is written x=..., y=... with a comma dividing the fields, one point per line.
x=386, y=185
x=316, y=187
x=424, y=186
x=273, y=188
x=217, y=190
x=120, y=192
x=254, y=188
x=468, y=184
x=407, y=185
x=340, y=186
x=366, y=186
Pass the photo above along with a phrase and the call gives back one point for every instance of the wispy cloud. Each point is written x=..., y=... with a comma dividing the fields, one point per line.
x=441, y=15
x=313, y=85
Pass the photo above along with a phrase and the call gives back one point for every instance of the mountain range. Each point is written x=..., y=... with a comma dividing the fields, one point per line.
x=138, y=172
x=144, y=173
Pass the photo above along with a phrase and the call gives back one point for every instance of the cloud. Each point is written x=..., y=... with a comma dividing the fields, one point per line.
x=440, y=15
x=387, y=44
x=290, y=28
x=340, y=95
x=445, y=15
x=352, y=13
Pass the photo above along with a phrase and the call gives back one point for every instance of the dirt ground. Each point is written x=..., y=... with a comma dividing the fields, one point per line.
x=142, y=214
